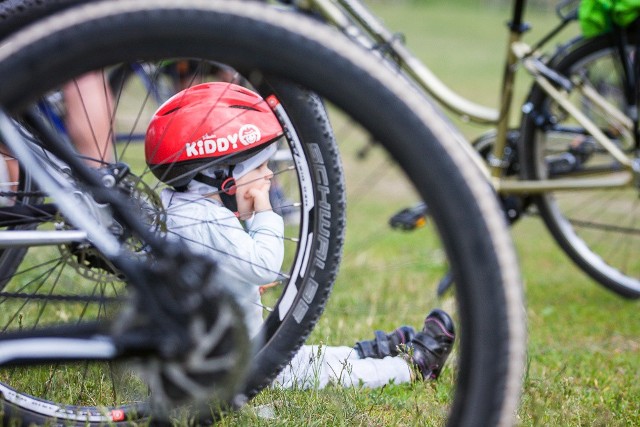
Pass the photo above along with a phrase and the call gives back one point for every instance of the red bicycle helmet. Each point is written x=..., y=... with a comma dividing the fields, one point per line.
x=210, y=125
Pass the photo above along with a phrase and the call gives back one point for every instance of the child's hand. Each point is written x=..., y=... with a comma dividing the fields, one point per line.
x=252, y=191
x=258, y=194
x=264, y=288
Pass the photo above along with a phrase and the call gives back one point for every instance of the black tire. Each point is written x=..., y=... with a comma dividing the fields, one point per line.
x=471, y=226
x=321, y=215
x=597, y=228
x=16, y=14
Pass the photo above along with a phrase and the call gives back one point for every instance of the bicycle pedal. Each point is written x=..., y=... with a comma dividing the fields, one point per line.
x=410, y=218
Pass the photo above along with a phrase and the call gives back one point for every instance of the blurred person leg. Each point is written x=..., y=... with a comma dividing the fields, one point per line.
x=89, y=106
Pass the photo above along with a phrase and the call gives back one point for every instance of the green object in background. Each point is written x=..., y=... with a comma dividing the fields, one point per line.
x=597, y=16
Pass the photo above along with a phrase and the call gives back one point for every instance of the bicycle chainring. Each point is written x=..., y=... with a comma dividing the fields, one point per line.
x=87, y=260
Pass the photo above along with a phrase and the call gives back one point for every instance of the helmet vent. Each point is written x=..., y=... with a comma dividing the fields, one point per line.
x=173, y=110
x=243, y=107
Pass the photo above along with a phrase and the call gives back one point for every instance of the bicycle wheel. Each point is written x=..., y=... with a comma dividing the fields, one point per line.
x=485, y=382
x=139, y=87
x=314, y=230
x=596, y=228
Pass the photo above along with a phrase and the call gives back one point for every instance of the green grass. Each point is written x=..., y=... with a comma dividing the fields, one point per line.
x=583, y=342
x=583, y=345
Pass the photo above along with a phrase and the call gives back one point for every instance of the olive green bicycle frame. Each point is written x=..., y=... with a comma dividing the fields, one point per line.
x=352, y=18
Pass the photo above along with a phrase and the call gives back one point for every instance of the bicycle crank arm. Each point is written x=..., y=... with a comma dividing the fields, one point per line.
x=76, y=343
x=49, y=347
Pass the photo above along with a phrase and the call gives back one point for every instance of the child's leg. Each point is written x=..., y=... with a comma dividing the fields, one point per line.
x=317, y=366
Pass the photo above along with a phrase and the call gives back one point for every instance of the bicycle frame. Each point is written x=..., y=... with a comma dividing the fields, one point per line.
x=90, y=342
x=353, y=18
x=37, y=348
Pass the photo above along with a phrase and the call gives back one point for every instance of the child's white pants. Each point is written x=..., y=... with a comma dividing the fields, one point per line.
x=316, y=366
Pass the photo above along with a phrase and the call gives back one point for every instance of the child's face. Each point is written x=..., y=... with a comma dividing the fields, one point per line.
x=252, y=190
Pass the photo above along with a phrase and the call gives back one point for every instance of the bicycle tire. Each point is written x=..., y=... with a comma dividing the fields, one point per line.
x=596, y=228
x=301, y=51
x=15, y=14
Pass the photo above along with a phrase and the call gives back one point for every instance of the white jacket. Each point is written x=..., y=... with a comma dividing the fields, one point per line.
x=246, y=259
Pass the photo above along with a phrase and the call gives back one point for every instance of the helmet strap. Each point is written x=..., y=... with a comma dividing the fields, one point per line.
x=226, y=186
x=229, y=202
x=229, y=186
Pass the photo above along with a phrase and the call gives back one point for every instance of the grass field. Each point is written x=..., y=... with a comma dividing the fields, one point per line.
x=584, y=341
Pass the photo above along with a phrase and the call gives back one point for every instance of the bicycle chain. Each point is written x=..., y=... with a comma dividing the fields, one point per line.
x=22, y=194
x=73, y=298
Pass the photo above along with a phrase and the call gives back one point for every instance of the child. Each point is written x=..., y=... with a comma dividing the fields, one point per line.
x=217, y=185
